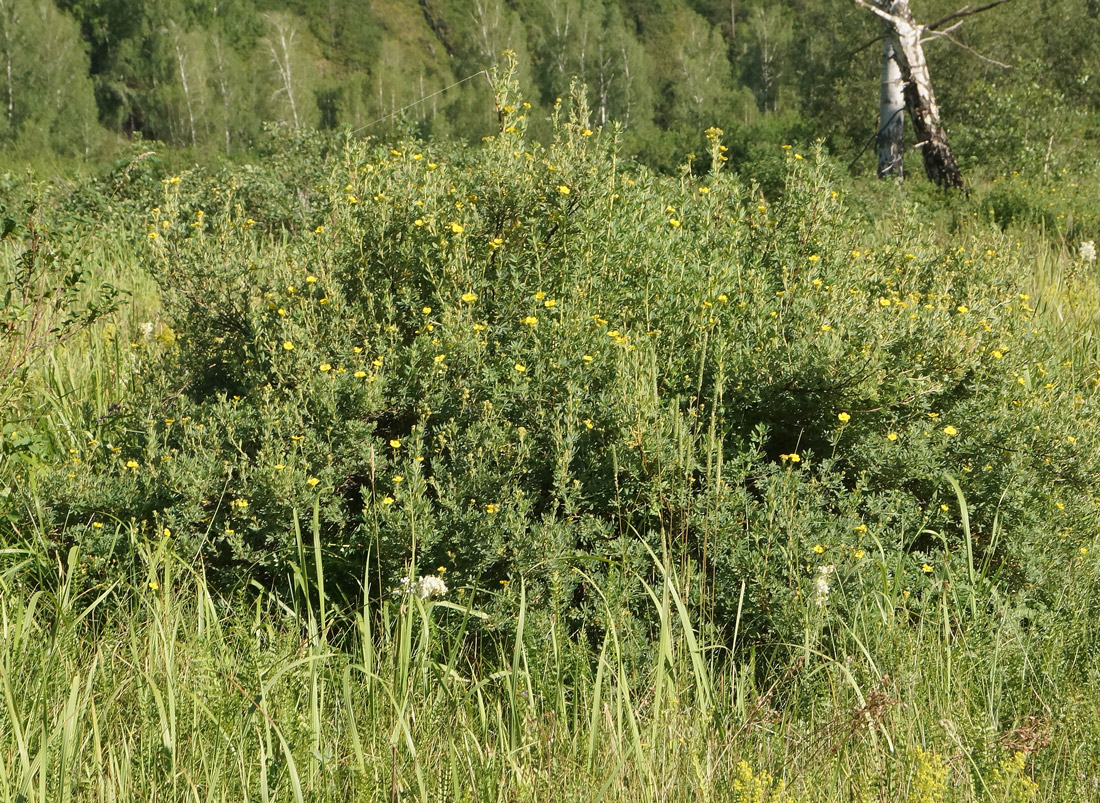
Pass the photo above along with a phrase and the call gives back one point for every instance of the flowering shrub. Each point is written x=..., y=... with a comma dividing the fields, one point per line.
x=526, y=362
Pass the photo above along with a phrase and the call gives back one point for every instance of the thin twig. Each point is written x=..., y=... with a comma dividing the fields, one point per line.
x=965, y=11
x=975, y=52
x=426, y=97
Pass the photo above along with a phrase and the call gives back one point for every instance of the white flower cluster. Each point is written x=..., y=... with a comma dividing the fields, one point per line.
x=1087, y=252
x=427, y=587
x=821, y=585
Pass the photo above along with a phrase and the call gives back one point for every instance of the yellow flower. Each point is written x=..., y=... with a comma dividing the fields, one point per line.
x=418, y=222
x=813, y=257
x=360, y=374
x=167, y=533
x=926, y=569
x=311, y=279
x=288, y=345
x=539, y=296
x=97, y=525
x=398, y=479
x=312, y=482
x=438, y=358
x=549, y=303
x=673, y=222
x=586, y=132
x=588, y=423
x=457, y=228
x=469, y=298
x=563, y=189
x=950, y=431
x=426, y=310
x=492, y=508
x=531, y=321
x=819, y=549
x=825, y=327
x=131, y=464
x=280, y=466
x=395, y=443
x=588, y=358
x=858, y=553
x=325, y=367
x=388, y=500
x=520, y=368
x=963, y=308
x=893, y=436
x=844, y=418
x=153, y=584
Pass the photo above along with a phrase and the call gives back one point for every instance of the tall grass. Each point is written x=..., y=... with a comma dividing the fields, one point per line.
x=156, y=685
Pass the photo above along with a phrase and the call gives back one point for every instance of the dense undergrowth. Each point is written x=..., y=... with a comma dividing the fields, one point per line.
x=713, y=475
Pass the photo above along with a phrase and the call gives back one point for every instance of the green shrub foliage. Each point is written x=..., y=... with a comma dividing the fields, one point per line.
x=525, y=363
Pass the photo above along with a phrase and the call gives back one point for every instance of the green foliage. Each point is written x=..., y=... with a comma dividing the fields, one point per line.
x=534, y=362
x=46, y=302
x=45, y=95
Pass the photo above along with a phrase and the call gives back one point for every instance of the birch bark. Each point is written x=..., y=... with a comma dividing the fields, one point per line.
x=891, y=114
x=904, y=35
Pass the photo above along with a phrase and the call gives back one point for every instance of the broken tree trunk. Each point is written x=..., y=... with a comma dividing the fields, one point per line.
x=904, y=35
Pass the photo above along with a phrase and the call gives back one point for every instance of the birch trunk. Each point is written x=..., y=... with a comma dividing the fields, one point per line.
x=904, y=35
x=281, y=49
x=939, y=160
x=181, y=61
x=7, y=20
x=891, y=114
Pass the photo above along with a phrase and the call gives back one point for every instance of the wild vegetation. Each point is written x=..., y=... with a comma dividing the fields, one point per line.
x=411, y=468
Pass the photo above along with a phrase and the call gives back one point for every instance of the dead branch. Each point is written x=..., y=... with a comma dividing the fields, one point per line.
x=965, y=11
x=974, y=52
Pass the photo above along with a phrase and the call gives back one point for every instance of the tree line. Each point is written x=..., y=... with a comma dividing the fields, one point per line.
x=75, y=75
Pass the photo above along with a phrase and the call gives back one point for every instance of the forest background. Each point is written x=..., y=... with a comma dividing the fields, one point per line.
x=1017, y=84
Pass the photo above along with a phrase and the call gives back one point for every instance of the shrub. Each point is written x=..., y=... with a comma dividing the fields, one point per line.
x=524, y=363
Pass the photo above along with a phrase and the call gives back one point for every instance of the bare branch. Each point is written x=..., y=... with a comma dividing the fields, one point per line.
x=994, y=62
x=878, y=12
x=965, y=11
x=863, y=47
x=933, y=34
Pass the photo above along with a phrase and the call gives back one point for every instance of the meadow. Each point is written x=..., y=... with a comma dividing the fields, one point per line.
x=410, y=470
